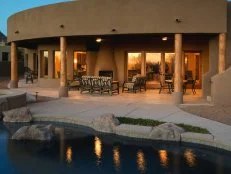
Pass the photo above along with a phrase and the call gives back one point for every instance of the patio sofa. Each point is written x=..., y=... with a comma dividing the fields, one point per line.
x=96, y=83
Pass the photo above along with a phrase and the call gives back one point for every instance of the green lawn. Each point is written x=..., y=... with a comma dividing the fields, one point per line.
x=149, y=122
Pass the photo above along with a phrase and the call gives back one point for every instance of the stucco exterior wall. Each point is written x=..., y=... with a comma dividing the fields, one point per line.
x=99, y=17
x=113, y=55
x=50, y=81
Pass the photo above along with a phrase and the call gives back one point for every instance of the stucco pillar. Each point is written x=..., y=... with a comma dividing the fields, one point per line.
x=63, y=90
x=14, y=66
x=178, y=94
x=51, y=64
x=222, y=52
x=162, y=68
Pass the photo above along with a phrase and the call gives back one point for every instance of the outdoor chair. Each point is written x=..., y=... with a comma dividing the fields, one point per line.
x=107, y=86
x=96, y=84
x=133, y=86
x=164, y=86
x=73, y=84
x=28, y=74
x=85, y=84
x=143, y=83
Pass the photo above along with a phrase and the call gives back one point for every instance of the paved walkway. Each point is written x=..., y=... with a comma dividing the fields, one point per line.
x=84, y=110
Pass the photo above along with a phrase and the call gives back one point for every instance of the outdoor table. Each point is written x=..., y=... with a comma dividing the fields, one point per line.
x=171, y=85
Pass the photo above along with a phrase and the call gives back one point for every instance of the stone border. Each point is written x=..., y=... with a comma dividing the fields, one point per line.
x=142, y=132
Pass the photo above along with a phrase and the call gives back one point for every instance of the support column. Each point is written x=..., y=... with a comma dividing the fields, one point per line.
x=178, y=94
x=183, y=65
x=63, y=90
x=51, y=63
x=222, y=52
x=14, y=66
x=162, y=68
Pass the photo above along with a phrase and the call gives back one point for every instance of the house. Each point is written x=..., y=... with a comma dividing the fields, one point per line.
x=154, y=38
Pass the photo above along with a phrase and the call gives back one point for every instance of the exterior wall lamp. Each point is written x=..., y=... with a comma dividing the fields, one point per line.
x=16, y=32
x=61, y=26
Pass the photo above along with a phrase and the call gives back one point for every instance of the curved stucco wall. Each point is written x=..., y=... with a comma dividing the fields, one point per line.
x=99, y=17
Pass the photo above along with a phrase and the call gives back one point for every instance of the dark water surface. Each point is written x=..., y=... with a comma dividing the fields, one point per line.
x=84, y=151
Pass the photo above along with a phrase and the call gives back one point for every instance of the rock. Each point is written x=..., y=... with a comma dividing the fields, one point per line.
x=167, y=132
x=35, y=132
x=17, y=115
x=30, y=98
x=105, y=123
x=3, y=106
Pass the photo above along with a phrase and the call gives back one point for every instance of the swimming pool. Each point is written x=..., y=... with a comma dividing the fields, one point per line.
x=85, y=151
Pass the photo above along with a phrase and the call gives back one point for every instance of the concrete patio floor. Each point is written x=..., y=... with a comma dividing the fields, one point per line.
x=82, y=108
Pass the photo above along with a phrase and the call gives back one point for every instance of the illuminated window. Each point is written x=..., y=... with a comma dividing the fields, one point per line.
x=57, y=64
x=134, y=64
x=44, y=63
x=153, y=66
x=80, y=65
x=169, y=64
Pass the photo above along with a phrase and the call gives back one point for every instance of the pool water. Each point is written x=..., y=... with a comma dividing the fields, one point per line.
x=81, y=150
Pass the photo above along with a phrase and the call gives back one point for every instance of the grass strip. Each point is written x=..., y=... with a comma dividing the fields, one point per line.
x=152, y=123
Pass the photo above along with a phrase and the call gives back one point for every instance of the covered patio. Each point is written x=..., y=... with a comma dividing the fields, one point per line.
x=151, y=96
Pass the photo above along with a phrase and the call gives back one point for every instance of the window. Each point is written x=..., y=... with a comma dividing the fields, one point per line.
x=44, y=63
x=57, y=64
x=5, y=56
x=134, y=64
x=80, y=64
x=169, y=63
x=153, y=61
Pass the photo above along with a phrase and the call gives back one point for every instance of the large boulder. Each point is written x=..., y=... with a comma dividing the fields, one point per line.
x=166, y=132
x=3, y=106
x=105, y=123
x=17, y=115
x=35, y=132
x=30, y=98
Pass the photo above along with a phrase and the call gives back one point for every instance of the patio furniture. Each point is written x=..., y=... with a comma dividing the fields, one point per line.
x=73, y=84
x=85, y=84
x=192, y=83
x=116, y=86
x=137, y=83
x=143, y=83
x=166, y=85
x=96, y=83
x=28, y=76
x=106, y=85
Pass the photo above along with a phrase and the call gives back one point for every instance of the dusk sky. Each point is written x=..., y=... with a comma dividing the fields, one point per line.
x=9, y=7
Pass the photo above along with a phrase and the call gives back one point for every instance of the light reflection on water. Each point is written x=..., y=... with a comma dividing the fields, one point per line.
x=190, y=157
x=98, y=150
x=90, y=154
x=116, y=157
x=140, y=159
x=69, y=155
x=163, y=158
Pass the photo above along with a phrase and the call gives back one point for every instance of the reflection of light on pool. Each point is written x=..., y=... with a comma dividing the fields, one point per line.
x=69, y=155
x=190, y=157
x=163, y=158
x=116, y=157
x=141, y=164
x=98, y=148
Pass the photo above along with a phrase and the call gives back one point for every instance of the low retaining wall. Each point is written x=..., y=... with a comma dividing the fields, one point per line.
x=11, y=100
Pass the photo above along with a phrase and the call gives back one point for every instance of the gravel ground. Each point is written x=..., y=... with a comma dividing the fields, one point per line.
x=221, y=114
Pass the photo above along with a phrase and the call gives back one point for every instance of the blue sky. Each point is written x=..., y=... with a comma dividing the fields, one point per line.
x=9, y=7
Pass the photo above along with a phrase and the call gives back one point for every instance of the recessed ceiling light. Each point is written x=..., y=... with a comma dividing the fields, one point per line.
x=164, y=38
x=98, y=40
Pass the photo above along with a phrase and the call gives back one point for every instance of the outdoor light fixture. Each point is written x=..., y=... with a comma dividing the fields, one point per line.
x=61, y=26
x=16, y=32
x=113, y=30
x=178, y=20
x=164, y=38
x=98, y=40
